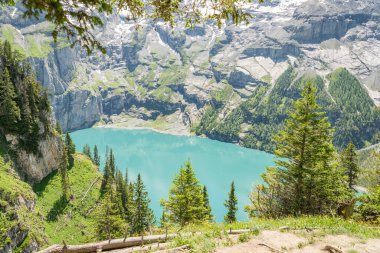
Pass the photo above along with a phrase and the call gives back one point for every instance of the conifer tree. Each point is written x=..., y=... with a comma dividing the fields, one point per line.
x=44, y=104
x=110, y=223
x=206, y=203
x=58, y=128
x=65, y=185
x=185, y=204
x=107, y=178
x=70, y=146
x=142, y=216
x=9, y=110
x=32, y=92
x=23, y=108
x=121, y=192
x=87, y=151
x=128, y=197
x=349, y=161
x=231, y=204
x=305, y=181
x=112, y=165
x=96, y=156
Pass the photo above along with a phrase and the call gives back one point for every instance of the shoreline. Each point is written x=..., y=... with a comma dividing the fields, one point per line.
x=170, y=132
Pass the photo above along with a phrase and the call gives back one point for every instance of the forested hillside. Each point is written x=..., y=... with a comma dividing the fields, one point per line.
x=29, y=150
x=24, y=104
x=349, y=108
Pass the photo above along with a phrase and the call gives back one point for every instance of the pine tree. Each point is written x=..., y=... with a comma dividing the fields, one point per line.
x=128, y=197
x=110, y=223
x=112, y=165
x=58, y=127
x=87, y=151
x=121, y=192
x=9, y=110
x=305, y=181
x=33, y=95
x=185, y=204
x=349, y=161
x=70, y=149
x=142, y=216
x=96, y=156
x=231, y=204
x=206, y=203
x=107, y=178
x=65, y=185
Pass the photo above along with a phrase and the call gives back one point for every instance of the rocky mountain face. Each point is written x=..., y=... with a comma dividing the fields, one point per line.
x=35, y=167
x=163, y=77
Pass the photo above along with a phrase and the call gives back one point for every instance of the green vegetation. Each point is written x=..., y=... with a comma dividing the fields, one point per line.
x=14, y=214
x=206, y=204
x=163, y=94
x=24, y=104
x=185, y=204
x=323, y=225
x=39, y=46
x=349, y=108
x=73, y=221
x=10, y=34
x=369, y=205
x=70, y=149
x=359, y=119
x=63, y=171
x=369, y=164
x=124, y=206
x=227, y=129
x=34, y=41
x=142, y=215
x=349, y=162
x=109, y=222
x=231, y=205
x=96, y=156
x=305, y=181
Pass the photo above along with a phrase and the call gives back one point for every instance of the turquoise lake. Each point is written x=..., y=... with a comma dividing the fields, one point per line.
x=158, y=157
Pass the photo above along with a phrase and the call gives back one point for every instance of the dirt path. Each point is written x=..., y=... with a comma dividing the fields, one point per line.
x=288, y=242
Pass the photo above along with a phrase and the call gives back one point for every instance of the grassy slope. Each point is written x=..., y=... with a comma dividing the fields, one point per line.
x=36, y=40
x=12, y=213
x=72, y=222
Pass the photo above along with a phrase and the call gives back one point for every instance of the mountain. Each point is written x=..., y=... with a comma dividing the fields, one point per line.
x=254, y=122
x=167, y=78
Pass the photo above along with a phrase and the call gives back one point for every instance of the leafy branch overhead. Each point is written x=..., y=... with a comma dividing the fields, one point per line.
x=77, y=18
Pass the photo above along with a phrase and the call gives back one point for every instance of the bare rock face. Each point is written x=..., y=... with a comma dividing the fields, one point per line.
x=77, y=109
x=56, y=70
x=37, y=166
x=163, y=70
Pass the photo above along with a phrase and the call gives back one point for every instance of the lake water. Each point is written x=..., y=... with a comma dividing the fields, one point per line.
x=158, y=157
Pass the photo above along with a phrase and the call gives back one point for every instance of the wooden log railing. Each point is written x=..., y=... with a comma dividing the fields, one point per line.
x=115, y=244
x=107, y=245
